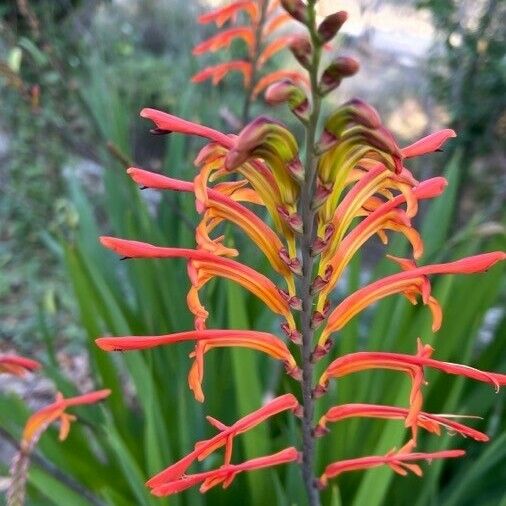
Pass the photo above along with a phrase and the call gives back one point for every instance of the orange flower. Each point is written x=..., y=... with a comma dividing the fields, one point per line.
x=429, y=144
x=207, y=340
x=217, y=72
x=222, y=206
x=279, y=75
x=430, y=422
x=208, y=264
x=381, y=216
x=223, y=14
x=400, y=462
x=16, y=365
x=41, y=419
x=412, y=280
x=167, y=123
x=224, y=39
x=224, y=475
x=225, y=438
x=410, y=364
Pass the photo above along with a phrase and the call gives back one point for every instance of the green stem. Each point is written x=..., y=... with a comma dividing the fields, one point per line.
x=307, y=239
x=254, y=61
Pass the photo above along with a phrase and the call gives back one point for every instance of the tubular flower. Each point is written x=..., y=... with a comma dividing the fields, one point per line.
x=224, y=438
x=400, y=462
x=261, y=20
x=207, y=340
x=16, y=365
x=410, y=364
x=427, y=421
x=308, y=214
x=208, y=266
x=224, y=475
x=41, y=419
x=410, y=282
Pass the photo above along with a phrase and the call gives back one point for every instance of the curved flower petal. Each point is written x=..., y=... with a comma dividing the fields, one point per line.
x=16, y=365
x=273, y=48
x=398, y=283
x=227, y=208
x=267, y=139
x=276, y=22
x=385, y=216
x=207, y=340
x=410, y=364
x=279, y=75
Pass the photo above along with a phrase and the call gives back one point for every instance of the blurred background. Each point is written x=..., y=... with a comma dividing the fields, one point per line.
x=73, y=78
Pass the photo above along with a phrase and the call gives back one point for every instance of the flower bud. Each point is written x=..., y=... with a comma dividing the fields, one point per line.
x=296, y=9
x=287, y=91
x=320, y=243
x=293, y=334
x=294, y=264
x=302, y=50
x=323, y=190
x=293, y=220
x=331, y=25
x=343, y=66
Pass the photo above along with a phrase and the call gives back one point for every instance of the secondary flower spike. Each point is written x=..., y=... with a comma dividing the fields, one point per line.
x=260, y=32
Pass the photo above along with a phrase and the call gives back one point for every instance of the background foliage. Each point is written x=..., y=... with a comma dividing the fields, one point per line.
x=63, y=184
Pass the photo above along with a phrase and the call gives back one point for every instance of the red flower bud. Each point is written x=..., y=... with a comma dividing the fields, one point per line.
x=296, y=9
x=343, y=66
x=302, y=50
x=331, y=25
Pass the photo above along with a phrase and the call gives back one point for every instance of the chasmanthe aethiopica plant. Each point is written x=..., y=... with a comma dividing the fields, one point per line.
x=308, y=205
x=308, y=209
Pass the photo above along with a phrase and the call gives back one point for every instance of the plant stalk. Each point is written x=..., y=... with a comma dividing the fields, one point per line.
x=248, y=100
x=307, y=239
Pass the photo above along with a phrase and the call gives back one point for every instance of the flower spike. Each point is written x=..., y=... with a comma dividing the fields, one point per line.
x=309, y=210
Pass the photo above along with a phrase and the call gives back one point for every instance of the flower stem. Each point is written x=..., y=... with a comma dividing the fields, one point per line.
x=248, y=99
x=307, y=239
